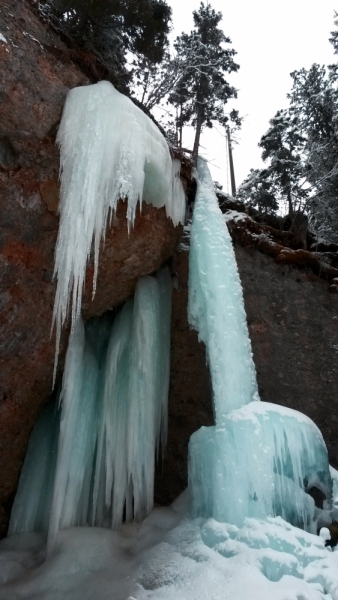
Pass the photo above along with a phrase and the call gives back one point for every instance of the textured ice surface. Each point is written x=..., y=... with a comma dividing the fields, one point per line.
x=172, y=557
x=114, y=406
x=109, y=150
x=31, y=509
x=334, y=475
x=260, y=462
x=216, y=307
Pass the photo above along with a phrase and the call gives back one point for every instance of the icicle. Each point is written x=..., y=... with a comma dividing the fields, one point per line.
x=99, y=468
x=134, y=403
x=216, y=307
x=78, y=431
x=111, y=459
x=109, y=150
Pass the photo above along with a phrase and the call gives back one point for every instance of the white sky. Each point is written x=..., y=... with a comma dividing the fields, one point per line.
x=272, y=39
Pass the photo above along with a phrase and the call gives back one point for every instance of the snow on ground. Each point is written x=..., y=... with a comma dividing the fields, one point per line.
x=172, y=557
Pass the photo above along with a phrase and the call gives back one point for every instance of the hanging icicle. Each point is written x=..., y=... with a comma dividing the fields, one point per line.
x=109, y=150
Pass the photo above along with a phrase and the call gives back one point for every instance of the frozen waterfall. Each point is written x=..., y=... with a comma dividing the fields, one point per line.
x=216, y=306
x=110, y=150
x=259, y=460
x=99, y=470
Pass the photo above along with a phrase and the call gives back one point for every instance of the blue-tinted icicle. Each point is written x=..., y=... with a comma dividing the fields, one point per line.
x=100, y=469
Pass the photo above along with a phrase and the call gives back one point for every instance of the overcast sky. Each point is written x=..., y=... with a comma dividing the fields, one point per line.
x=272, y=39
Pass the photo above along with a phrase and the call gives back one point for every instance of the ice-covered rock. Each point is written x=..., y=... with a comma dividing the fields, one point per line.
x=109, y=150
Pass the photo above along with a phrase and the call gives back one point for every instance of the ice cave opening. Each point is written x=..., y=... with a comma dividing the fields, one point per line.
x=83, y=524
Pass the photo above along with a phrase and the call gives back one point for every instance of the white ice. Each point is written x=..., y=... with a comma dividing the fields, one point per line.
x=109, y=150
x=216, y=306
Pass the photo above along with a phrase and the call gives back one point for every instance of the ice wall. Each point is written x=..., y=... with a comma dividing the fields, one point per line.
x=99, y=468
x=216, y=307
x=109, y=150
x=260, y=462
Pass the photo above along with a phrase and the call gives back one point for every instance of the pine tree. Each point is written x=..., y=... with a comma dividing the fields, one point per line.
x=259, y=191
x=109, y=28
x=283, y=146
x=314, y=102
x=202, y=90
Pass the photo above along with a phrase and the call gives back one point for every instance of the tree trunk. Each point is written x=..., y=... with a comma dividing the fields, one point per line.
x=290, y=204
x=197, y=136
x=231, y=163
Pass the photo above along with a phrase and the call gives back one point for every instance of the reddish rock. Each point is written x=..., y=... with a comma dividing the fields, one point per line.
x=32, y=92
x=190, y=404
x=293, y=326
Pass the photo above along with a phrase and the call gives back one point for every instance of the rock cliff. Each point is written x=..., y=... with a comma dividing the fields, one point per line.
x=292, y=314
x=37, y=72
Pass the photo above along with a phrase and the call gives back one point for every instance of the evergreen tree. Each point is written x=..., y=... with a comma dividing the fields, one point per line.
x=259, y=191
x=314, y=102
x=283, y=146
x=202, y=89
x=109, y=28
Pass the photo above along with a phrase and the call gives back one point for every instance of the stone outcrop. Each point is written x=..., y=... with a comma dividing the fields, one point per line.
x=32, y=92
x=293, y=326
x=190, y=404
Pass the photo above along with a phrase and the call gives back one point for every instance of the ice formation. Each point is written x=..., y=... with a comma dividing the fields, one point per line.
x=170, y=557
x=114, y=406
x=216, y=307
x=260, y=462
x=248, y=475
x=260, y=459
x=109, y=150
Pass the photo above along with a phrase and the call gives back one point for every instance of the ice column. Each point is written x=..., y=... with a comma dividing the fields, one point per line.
x=109, y=150
x=97, y=467
x=216, y=307
x=260, y=459
x=259, y=463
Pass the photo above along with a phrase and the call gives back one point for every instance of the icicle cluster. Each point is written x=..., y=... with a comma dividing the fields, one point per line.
x=260, y=462
x=114, y=412
x=109, y=150
x=216, y=307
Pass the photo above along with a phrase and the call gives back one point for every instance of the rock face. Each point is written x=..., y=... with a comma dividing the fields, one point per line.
x=190, y=404
x=293, y=325
x=33, y=87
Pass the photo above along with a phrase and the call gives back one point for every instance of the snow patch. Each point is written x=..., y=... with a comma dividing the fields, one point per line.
x=234, y=215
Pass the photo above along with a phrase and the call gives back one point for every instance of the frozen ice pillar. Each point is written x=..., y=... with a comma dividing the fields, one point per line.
x=216, y=307
x=260, y=459
x=109, y=150
x=259, y=463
